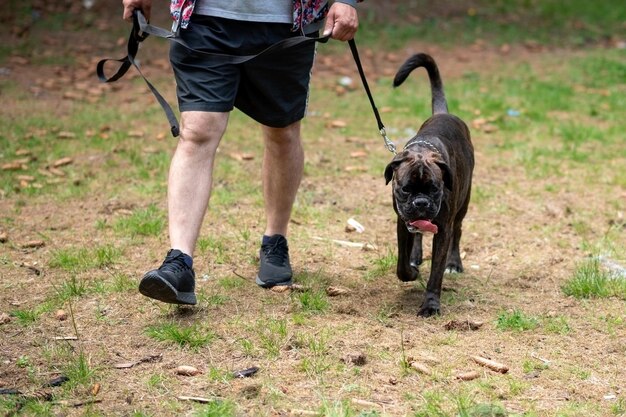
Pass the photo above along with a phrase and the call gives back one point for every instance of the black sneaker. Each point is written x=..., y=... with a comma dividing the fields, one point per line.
x=172, y=283
x=274, y=266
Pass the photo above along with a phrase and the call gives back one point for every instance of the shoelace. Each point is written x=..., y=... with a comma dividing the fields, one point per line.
x=174, y=264
x=276, y=252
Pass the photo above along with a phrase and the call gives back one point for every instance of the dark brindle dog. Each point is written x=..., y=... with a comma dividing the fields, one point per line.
x=432, y=181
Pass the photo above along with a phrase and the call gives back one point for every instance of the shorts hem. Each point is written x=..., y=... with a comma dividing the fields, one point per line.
x=205, y=107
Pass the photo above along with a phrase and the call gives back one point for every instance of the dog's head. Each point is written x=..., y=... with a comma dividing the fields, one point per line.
x=419, y=179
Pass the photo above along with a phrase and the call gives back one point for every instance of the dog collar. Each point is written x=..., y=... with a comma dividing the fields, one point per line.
x=422, y=142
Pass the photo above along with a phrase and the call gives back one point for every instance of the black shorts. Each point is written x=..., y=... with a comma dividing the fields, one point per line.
x=271, y=88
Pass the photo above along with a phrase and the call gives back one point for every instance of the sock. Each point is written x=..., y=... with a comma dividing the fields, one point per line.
x=266, y=239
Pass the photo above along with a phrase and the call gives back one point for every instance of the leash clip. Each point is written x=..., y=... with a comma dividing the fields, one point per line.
x=388, y=143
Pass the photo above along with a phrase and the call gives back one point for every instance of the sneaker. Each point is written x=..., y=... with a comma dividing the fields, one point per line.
x=274, y=266
x=172, y=283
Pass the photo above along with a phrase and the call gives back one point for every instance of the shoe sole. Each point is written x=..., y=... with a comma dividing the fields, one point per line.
x=263, y=284
x=155, y=287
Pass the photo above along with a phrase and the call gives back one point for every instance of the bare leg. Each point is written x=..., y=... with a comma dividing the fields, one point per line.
x=283, y=164
x=191, y=176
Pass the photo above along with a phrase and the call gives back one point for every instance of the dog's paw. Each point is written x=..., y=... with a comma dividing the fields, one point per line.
x=454, y=268
x=429, y=308
x=406, y=274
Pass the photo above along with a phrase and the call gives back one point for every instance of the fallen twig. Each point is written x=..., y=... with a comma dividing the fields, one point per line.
x=195, y=399
x=488, y=363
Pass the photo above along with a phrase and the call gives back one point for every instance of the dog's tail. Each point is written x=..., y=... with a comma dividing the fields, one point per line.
x=439, y=103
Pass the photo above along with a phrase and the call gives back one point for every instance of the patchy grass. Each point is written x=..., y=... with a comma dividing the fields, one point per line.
x=547, y=204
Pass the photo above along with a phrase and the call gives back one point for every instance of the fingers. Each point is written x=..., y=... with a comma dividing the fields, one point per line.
x=131, y=5
x=342, y=22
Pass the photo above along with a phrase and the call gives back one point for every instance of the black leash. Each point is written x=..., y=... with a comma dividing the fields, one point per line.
x=142, y=29
x=381, y=127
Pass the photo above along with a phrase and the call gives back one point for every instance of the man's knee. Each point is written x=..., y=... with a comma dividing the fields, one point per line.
x=282, y=135
x=202, y=128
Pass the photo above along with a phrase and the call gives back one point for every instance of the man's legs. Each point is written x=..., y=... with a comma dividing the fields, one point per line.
x=189, y=189
x=191, y=176
x=283, y=164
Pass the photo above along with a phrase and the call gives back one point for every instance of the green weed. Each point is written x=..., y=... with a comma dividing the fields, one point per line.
x=313, y=302
x=591, y=281
x=193, y=336
x=26, y=317
x=79, y=371
x=217, y=408
x=382, y=265
x=516, y=320
x=82, y=259
x=143, y=222
x=272, y=335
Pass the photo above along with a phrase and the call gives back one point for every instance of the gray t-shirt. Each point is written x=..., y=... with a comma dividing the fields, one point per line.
x=271, y=11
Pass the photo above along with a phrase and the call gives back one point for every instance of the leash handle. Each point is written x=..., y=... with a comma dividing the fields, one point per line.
x=381, y=127
x=138, y=35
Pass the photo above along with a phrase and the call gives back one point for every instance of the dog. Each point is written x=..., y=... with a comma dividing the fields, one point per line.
x=431, y=186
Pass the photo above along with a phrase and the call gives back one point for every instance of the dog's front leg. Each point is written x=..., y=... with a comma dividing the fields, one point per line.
x=416, y=253
x=404, y=269
x=431, y=304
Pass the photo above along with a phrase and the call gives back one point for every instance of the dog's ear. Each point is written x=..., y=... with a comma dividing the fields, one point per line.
x=446, y=173
x=392, y=166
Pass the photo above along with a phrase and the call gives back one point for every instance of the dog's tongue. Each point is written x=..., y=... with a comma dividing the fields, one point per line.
x=424, y=226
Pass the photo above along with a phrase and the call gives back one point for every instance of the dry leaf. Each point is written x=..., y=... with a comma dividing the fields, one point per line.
x=358, y=359
x=56, y=171
x=279, y=289
x=66, y=135
x=95, y=389
x=420, y=367
x=60, y=315
x=4, y=237
x=33, y=244
x=62, y=162
x=488, y=363
x=13, y=166
x=463, y=325
x=468, y=376
x=4, y=318
x=186, y=370
x=335, y=291
x=239, y=156
x=358, y=154
x=338, y=124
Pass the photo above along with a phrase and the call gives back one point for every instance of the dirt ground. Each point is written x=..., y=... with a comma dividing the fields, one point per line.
x=517, y=251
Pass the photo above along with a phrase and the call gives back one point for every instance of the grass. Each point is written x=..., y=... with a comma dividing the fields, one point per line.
x=516, y=320
x=557, y=144
x=79, y=259
x=193, y=337
x=591, y=281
